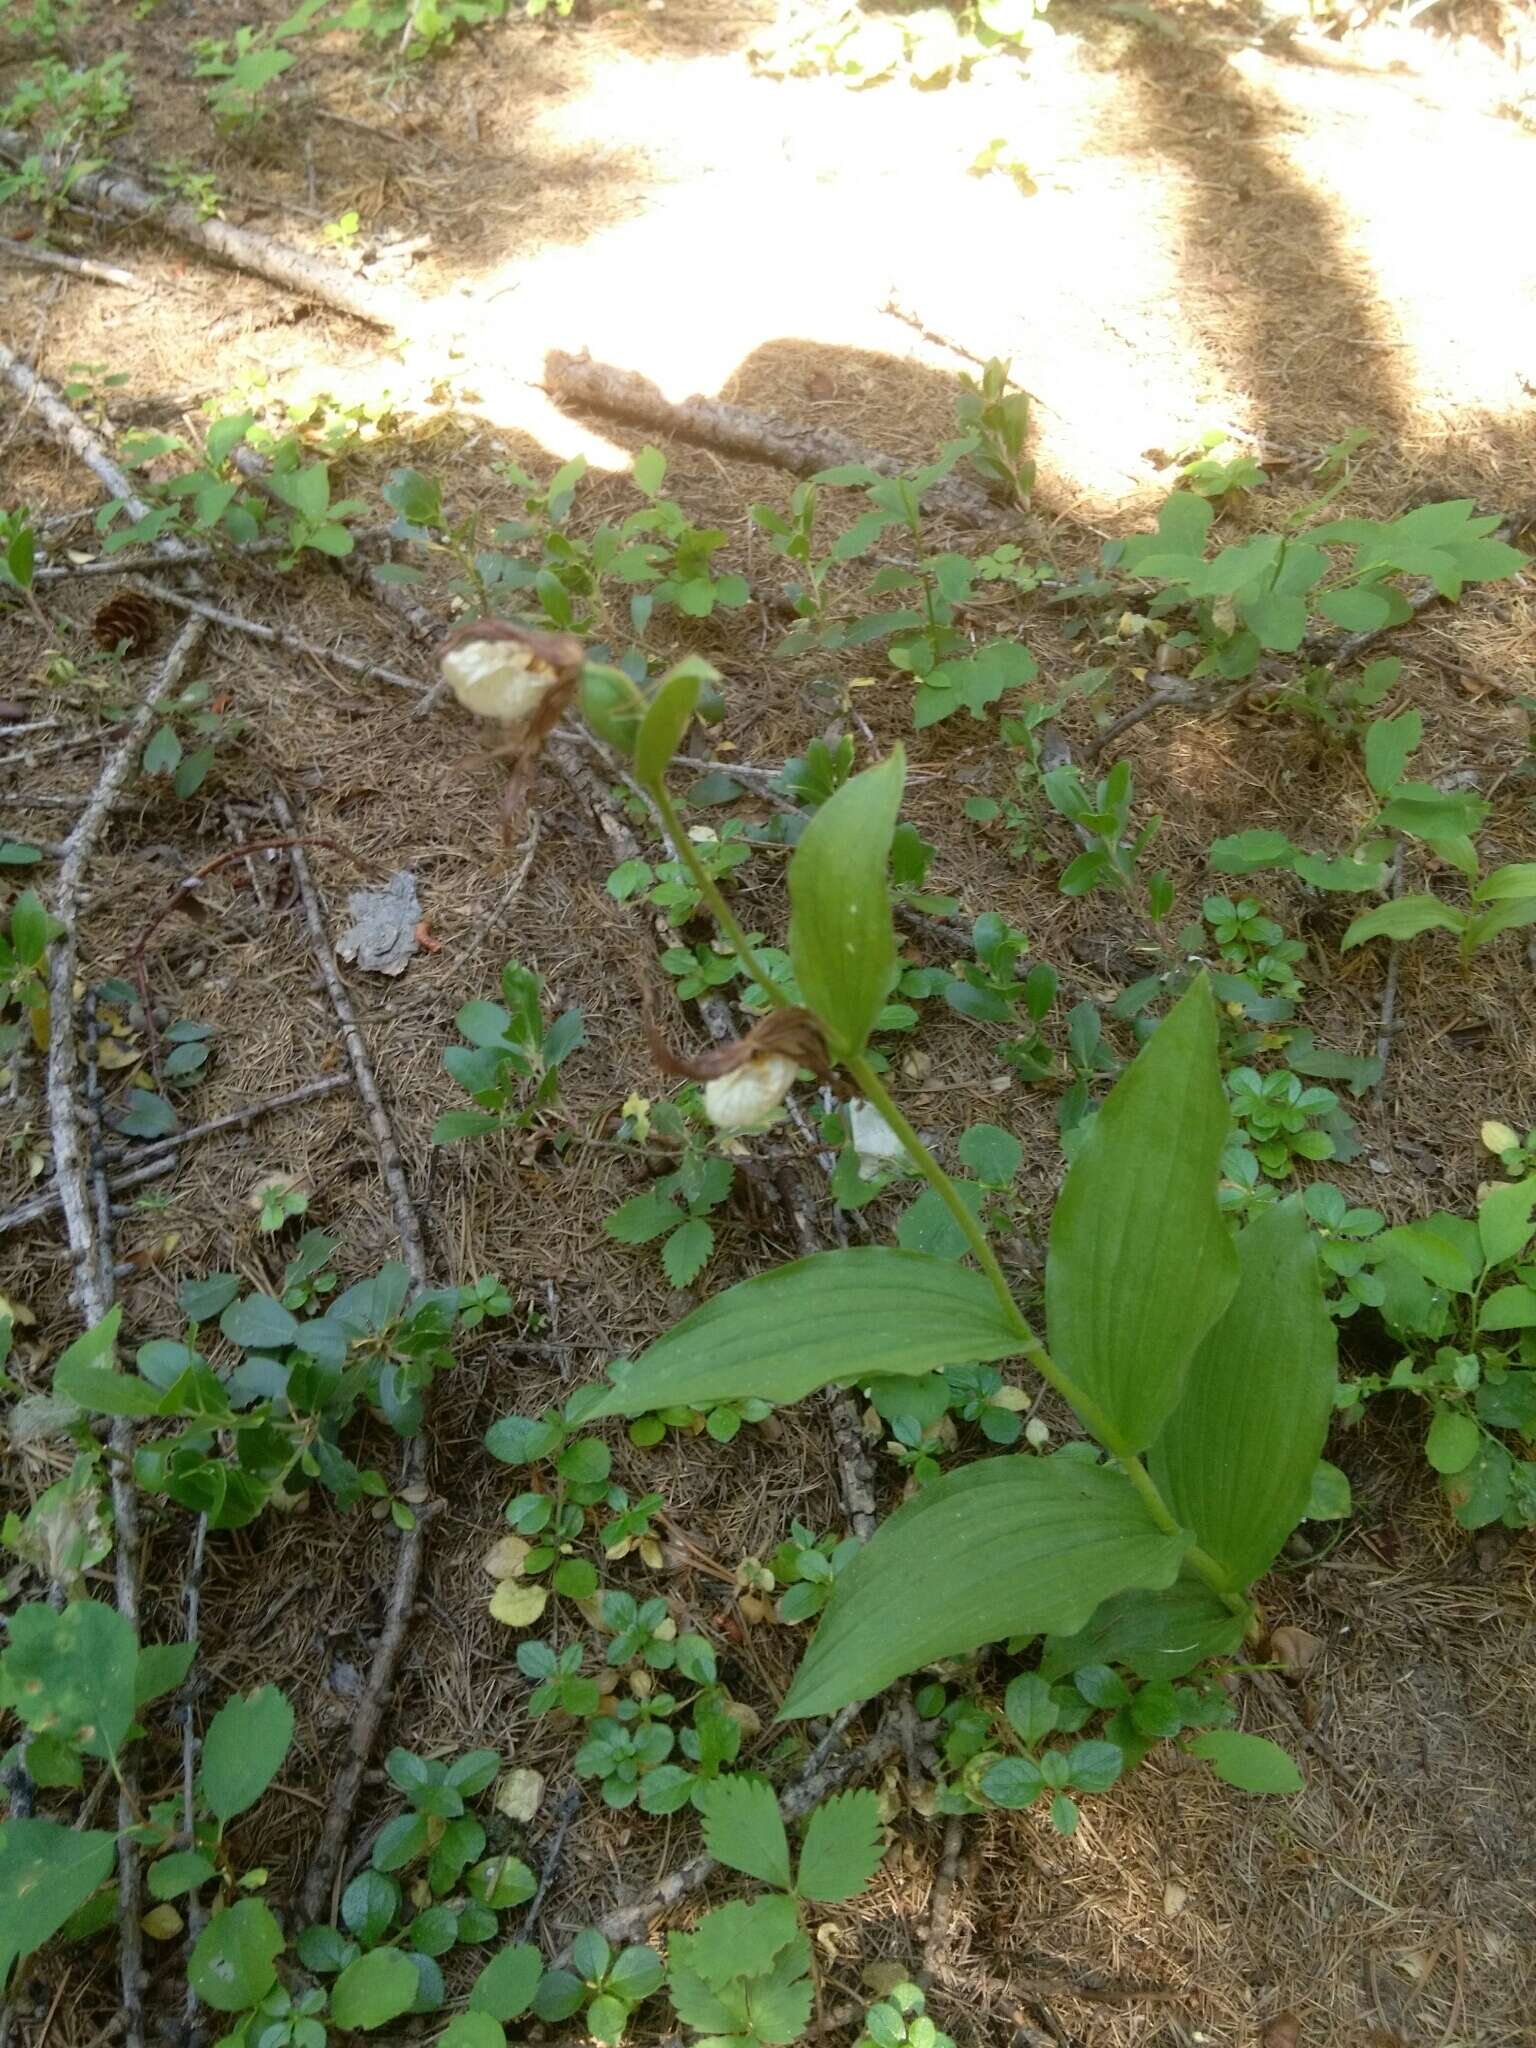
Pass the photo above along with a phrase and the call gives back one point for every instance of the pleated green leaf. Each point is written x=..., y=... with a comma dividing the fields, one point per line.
x=834, y=1316
x=1140, y=1262
x=840, y=937
x=1010, y=1546
x=1237, y=1456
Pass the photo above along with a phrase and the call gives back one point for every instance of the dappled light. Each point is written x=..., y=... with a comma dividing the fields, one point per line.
x=767, y=871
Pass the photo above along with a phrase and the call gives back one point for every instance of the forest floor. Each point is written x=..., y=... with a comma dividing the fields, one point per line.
x=1278, y=237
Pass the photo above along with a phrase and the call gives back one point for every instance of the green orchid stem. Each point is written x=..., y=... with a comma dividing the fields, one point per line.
x=720, y=910
x=874, y=1091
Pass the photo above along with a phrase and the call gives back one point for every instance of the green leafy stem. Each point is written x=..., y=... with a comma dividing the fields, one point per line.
x=874, y=1091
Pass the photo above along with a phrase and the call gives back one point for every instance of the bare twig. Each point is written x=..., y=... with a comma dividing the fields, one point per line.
x=578, y=382
x=324, y=1869
x=942, y=1897
x=101, y=1199
x=92, y=1286
x=277, y=637
x=549, y=1862
x=629, y=1923
x=154, y=1160
x=74, y=266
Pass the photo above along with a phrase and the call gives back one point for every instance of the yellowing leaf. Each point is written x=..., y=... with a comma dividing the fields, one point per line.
x=518, y=1606
x=520, y=1794
x=504, y=1560
x=112, y=1055
x=162, y=1923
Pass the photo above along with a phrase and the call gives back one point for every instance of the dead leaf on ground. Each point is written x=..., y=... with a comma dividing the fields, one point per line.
x=520, y=1794
x=1283, y=2031
x=1295, y=1650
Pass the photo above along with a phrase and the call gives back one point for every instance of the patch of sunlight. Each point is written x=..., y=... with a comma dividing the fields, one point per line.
x=1420, y=187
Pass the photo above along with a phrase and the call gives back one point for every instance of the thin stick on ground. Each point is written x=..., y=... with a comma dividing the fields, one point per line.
x=325, y=1866
x=92, y=1283
x=809, y=1788
x=73, y=266
x=942, y=1898
x=153, y=1161
x=276, y=636
x=578, y=383
x=1387, y=1027
x=549, y=1863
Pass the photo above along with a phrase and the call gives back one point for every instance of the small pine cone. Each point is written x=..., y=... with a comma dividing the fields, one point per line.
x=129, y=616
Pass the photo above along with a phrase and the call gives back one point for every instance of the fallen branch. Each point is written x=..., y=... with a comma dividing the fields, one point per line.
x=191, y=1593
x=325, y=1866
x=278, y=637
x=92, y=1283
x=1387, y=1027
x=74, y=266
x=121, y=197
x=942, y=1898
x=578, y=383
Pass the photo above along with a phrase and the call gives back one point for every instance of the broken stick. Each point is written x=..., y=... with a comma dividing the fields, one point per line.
x=578, y=383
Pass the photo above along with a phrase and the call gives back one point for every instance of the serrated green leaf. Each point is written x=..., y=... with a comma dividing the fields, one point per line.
x=1236, y=1458
x=71, y=1673
x=833, y=1316
x=742, y=1827
x=686, y=1252
x=1010, y=1546
x=843, y=1848
x=840, y=937
x=1140, y=1262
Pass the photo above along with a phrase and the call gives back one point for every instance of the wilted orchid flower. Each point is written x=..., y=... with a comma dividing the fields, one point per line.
x=747, y=1078
x=520, y=678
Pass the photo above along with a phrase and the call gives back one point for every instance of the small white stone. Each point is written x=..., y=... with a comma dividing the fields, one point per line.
x=736, y=1102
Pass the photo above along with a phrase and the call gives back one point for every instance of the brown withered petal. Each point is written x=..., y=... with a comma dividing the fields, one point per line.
x=561, y=655
x=129, y=616
x=793, y=1034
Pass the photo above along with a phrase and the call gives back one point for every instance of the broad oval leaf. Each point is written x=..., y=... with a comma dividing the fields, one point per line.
x=504, y=1988
x=840, y=937
x=833, y=1316
x=1237, y=1456
x=1010, y=1546
x=1154, y=1635
x=1250, y=1762
x=234, y=1964
x=376, y=1988
x=47, y=1871
x=243, y=1750
x=1140, y=1262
